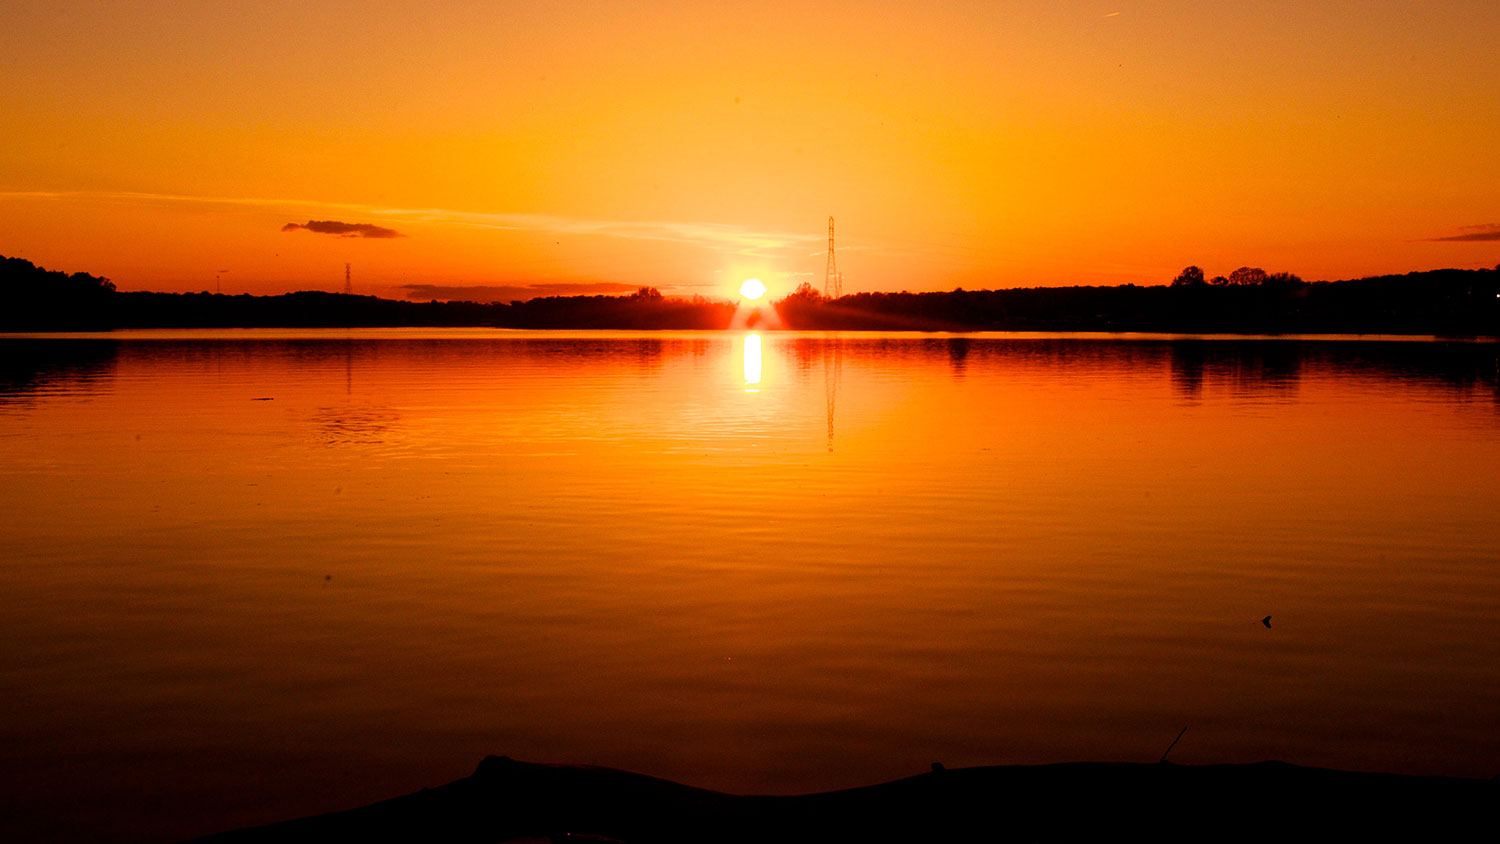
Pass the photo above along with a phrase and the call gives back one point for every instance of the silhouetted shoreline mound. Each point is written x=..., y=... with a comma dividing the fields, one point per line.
x=507, y=800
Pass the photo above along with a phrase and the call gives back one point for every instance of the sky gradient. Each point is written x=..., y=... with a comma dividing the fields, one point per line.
x=525, y=148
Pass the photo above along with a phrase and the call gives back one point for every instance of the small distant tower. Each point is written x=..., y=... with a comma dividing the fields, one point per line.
x=348, y=285
x=833, y=280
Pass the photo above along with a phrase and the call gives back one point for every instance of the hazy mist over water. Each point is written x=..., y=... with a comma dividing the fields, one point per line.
x=256, y=574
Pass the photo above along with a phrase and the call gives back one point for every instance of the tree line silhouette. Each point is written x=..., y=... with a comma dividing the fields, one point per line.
x=1248, y=300
x=34, y=299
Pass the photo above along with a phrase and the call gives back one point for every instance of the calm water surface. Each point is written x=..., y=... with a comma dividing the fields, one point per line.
x=252, y=575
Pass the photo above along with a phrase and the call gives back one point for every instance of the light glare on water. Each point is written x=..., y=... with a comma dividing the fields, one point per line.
x=752, y=362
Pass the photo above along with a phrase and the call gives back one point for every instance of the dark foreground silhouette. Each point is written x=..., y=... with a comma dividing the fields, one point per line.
x=1267, y=802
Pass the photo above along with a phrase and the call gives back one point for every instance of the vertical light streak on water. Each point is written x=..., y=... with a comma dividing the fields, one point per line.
x=752, y=362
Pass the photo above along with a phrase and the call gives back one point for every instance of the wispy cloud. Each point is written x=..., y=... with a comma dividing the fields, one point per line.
x=511, y=292
x=723, y=237
x=334, y=227
x=839, y=250
x=1484, y=233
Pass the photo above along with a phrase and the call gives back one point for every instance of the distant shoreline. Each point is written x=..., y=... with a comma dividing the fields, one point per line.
x=1445, y=303
x=419, y=332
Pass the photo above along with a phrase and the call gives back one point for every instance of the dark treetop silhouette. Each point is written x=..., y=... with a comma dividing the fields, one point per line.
x=1249, y=300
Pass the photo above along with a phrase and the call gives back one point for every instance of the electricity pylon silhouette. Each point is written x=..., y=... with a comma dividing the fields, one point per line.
x=833, y=280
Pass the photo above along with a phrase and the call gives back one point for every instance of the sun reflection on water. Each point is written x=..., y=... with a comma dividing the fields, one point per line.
x=752, y=363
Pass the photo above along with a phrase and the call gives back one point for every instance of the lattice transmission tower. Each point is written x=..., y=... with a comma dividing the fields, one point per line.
x=348, y=284
x=833, y=280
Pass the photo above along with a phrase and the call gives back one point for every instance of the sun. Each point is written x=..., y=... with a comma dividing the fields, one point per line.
x=752, y=288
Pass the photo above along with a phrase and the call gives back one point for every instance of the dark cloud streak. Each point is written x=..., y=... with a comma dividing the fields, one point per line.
x=1472, y=234
x=334, y=227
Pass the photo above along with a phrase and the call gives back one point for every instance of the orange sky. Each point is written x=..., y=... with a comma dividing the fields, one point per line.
x=689, y=145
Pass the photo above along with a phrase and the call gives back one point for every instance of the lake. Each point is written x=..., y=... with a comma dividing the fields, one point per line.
x=251, y=575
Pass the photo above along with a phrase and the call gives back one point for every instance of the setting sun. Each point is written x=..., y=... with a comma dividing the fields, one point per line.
x=753, y=288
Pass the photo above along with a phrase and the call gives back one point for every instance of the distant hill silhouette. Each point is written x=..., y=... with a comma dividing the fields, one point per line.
x=1249, y=301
